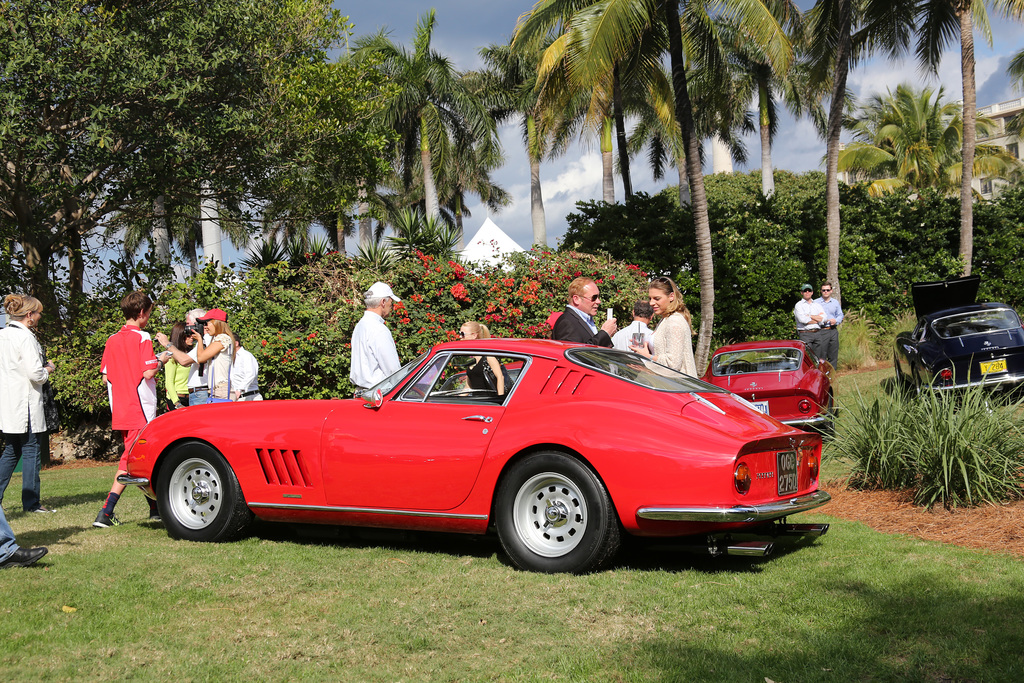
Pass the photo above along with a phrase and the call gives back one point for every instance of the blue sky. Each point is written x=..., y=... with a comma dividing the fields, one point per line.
x=463, y=27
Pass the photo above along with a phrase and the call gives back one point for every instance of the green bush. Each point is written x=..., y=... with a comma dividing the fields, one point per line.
x=298, y=322
x=951, y=448
x=857, y=342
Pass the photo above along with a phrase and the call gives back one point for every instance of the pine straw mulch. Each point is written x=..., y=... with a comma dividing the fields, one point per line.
x=999, y=528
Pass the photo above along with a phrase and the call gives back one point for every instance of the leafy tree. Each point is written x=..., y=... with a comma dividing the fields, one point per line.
x=109, y=104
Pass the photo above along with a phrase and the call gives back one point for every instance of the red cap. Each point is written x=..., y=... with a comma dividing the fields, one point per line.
x=214, y=314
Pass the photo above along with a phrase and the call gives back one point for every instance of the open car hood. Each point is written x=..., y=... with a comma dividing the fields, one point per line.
x=930, y=297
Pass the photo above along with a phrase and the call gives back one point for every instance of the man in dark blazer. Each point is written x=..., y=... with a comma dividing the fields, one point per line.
x=576, y=324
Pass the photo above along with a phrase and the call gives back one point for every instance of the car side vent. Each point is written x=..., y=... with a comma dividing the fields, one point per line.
x=563, y=381
x=283, y=467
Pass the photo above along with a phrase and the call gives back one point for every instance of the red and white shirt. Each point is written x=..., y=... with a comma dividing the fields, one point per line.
x=127, y=355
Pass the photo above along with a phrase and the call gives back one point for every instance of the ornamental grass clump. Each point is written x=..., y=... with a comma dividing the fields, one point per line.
x=949, y=448
x=857, y=342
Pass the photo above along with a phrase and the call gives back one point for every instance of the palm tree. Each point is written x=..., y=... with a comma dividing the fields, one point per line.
x=830, y=52
x=511, y=78
x=912, y=139
x=615, y=29
x=433, y=111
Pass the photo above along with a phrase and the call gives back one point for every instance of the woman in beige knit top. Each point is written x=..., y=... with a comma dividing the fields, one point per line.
x=672, y=342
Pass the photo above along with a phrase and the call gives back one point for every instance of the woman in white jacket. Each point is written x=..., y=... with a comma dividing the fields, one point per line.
x=673, y=338
x=22, y=375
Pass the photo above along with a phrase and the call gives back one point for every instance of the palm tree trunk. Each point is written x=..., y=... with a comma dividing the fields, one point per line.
x=684, y=183
x=607, y=162
x=767, y=174
x=620, y=134
x=699, y=204
x=429, y=189
x=540, y=230
x=365, y=225
x=835, y=127
x=970, y=136
x=161, y=232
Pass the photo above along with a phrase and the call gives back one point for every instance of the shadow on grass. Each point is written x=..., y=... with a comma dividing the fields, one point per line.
x=900, y=632
x=49, y=537
x=660, y=555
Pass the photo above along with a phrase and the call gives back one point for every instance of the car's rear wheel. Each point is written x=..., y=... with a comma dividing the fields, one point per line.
x=199, y=496
x=553, y=514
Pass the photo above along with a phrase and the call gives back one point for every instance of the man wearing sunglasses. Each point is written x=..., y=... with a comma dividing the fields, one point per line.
x=829, y=335
x=577, y=324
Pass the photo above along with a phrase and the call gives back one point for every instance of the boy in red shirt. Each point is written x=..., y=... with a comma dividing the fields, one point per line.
x=129, y=369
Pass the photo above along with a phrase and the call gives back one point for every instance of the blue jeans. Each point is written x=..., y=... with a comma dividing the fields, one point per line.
x=198, y=397
x=24, y=446
x=7, y=545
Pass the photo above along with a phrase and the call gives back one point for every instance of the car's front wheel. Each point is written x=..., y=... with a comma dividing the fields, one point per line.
x=553, y=514
x=199, y=496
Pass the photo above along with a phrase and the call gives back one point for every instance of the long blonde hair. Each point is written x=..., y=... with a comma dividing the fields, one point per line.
x=676, y=304
x=479, y=329
x=18, y=306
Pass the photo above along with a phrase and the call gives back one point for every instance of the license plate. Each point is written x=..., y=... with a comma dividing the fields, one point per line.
x=993, y=366
x=786, y=470
x=760, y=406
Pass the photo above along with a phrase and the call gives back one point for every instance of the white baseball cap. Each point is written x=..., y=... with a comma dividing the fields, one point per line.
x=380, y=289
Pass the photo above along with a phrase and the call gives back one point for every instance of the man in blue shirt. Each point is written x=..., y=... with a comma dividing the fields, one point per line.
x=830, y=325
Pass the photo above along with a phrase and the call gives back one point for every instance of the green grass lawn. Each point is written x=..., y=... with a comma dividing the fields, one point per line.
x=129, y=602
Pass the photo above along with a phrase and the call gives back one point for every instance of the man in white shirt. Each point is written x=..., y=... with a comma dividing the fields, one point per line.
x=642, y=314
x=809, y=315
x=245, y=370
x=374, y=355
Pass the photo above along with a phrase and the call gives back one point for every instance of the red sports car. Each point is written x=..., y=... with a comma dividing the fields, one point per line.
x=782, y=378
x=582, y=445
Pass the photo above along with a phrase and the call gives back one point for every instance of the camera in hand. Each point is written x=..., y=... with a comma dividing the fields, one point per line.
x=196, y=328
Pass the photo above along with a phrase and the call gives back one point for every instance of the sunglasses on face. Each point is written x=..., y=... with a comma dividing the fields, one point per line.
x=462, y=334
x=827, y=289
x=596, y=297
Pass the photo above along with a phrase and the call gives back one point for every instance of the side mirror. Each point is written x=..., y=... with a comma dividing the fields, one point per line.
x=372, y=400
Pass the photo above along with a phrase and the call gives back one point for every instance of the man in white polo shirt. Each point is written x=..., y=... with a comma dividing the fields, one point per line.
x=374, y=355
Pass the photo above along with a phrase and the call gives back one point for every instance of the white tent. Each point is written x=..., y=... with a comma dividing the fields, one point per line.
x=489, y=245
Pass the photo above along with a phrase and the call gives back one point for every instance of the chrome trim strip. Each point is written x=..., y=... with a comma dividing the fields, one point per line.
x=809, y=421
x=373, y=511
x=986, y=381
x=740, y=513
x=129, y=480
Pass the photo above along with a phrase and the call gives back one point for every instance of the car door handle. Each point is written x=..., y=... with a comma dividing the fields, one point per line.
x=479, y=418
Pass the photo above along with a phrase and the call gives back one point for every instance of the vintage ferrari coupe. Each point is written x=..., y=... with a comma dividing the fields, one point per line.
x=958, y=343
x=781, y=378
x=583, y=445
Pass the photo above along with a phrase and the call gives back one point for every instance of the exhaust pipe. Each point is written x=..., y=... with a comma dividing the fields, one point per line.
x=751, y=549
x=811, y=530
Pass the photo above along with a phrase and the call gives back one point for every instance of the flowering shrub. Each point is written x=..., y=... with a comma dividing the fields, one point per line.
x=298, y=322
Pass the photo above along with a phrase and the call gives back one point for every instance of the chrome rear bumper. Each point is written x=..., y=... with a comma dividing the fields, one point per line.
x=129, y=480
x=739, y=513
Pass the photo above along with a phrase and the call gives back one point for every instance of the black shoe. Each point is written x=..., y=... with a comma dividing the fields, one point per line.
x=42, y=509
x=103, y=520
x=23, y=557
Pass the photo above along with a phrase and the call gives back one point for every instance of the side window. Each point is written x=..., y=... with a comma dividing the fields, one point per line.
x=471, y=379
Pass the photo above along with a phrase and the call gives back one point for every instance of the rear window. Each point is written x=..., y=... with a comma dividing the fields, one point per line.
x=755, y=360
x=634, y=368
x=976, y=322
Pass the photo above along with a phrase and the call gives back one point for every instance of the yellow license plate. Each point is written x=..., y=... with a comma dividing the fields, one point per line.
x=993, y=366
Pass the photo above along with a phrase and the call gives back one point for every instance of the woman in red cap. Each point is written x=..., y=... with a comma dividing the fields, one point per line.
x=220, y=350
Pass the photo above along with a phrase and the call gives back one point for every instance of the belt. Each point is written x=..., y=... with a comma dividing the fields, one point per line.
x=810, y=330
x=192, y=391
x=249, y=393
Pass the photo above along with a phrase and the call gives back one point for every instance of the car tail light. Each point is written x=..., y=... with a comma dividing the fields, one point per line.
x=946, y=377
x=804, y=406
x=742, y=478
x=813, y=465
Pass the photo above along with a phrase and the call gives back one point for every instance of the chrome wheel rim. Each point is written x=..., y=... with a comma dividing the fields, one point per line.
x=194, y=493
x=550, y=514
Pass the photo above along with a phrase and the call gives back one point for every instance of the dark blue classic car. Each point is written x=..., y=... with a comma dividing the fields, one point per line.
x=957, y=342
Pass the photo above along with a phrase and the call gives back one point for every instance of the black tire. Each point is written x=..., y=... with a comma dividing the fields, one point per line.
x=199, y=496
x=554, y=515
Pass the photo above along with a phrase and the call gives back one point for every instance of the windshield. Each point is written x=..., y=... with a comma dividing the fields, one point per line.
x=755, y=360
x=976, y=322
x=638, y=370
x=394, y=380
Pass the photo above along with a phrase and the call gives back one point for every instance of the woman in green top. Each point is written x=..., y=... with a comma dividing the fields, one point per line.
x=175, y=375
